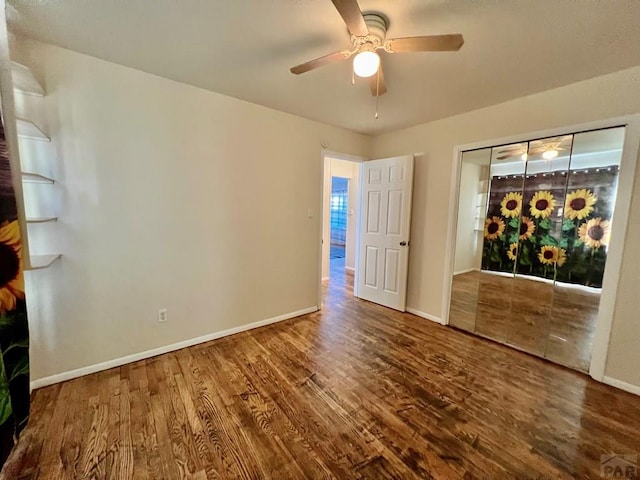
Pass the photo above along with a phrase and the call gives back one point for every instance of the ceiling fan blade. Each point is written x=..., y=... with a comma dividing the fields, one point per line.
x=350, y=12
x=320, y=62
x=380, y=89
x=509, y=155
x=429, y=43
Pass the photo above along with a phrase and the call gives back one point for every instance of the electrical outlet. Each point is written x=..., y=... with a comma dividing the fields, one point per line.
x=162, y=315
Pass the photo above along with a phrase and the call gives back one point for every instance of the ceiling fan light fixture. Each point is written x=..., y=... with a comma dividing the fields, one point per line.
x=366, y=62
x=550, y=154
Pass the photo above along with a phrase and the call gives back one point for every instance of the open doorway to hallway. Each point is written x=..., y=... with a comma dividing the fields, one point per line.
x=338, y=213
x=339, y=225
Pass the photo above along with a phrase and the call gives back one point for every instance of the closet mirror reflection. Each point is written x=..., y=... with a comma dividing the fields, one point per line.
x=534, y=221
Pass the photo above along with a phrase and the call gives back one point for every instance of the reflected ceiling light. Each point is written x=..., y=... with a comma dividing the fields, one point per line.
x=367, y=61
x=524, y=157
x=550, y=154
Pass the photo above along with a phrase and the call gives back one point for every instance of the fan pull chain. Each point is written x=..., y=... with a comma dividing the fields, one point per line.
x=353, y=77
x=377, y=93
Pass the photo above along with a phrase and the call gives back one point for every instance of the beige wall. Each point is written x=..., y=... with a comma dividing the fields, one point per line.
x=168, y=196
x=598, y=98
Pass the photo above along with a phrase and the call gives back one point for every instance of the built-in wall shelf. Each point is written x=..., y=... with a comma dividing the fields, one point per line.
x=24, y=81
x=39, y=262
x=41, y=219
x=27, y=129
x=36, y=178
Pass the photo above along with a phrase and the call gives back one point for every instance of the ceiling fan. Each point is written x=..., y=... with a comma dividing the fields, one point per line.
x=548, y=148
x=368, y=34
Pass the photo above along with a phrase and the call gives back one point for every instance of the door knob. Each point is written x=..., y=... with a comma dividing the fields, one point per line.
x=403, y=243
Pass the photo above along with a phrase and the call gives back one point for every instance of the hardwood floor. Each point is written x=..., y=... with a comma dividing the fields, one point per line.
x=355, y=391
x=552, y=321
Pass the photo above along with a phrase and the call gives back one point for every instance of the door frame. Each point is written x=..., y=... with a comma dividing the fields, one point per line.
x=626, y=179
x=326, y=154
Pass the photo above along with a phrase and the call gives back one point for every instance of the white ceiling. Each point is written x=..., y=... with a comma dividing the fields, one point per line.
x=244, y=48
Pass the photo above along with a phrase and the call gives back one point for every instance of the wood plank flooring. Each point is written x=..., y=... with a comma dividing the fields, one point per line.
x=556, y=322
x=355, y=391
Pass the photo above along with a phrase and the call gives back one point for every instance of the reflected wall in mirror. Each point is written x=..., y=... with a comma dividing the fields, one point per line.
x=472, y=205
x=531, y=242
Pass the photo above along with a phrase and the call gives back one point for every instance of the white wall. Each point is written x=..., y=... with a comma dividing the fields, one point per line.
x=598, y=98
x=168, y=196
x=334, y=167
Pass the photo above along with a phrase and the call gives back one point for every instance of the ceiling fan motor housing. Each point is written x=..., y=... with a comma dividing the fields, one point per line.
x=377, y=26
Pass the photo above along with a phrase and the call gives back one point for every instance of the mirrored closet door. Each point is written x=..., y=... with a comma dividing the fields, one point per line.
x=534, y=221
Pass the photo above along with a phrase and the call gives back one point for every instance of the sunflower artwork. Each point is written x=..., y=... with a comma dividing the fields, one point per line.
x=556, y=228
x=586, y=226
x=539, y=244
x=14, y=334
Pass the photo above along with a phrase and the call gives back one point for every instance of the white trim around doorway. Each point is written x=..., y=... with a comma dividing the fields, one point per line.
x=324, y=155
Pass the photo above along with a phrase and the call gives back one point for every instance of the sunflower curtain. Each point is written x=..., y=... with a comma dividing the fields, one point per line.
x=554, y=225
x=14, y=333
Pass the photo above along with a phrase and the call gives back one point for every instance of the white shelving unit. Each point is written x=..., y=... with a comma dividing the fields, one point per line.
x=27, y=129
x=28, y=177
x=481, y=205
x=24, y=81
x=38, y=262
x=41, y=219
x=26, y=84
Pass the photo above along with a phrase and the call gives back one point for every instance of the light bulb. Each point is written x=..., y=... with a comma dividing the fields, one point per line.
x=365, y=64
x=550, y=154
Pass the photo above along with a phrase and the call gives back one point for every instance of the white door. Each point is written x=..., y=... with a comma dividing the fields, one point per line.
x=385, y=217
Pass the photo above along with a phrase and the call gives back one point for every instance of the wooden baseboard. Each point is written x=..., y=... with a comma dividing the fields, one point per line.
x=118, y=362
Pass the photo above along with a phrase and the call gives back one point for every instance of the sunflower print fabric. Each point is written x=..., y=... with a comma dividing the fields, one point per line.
x=579, y=204
x=493, y=228
x=14, y=330
x=542, y=204
x=527, y=228
x=11, y=275
x=511, y=205
x=552, y=256
x=555, y=225
x=595, y=232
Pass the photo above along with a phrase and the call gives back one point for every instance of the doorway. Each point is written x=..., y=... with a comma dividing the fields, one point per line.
x=338, y=212
x=377, y=196
x=339, y=226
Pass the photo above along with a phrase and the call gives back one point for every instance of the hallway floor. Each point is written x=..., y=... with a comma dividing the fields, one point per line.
x=336, y=251
x=355, y=391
